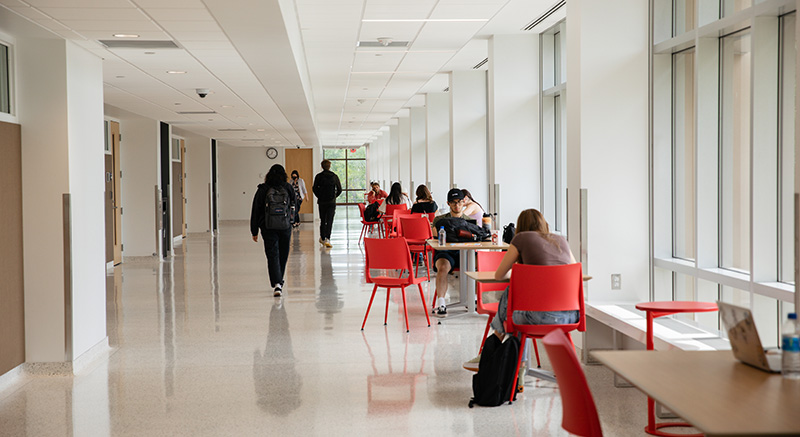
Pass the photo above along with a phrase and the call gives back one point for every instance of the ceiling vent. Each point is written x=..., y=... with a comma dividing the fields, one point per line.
x=232, y=130
x=134, y=44
x=544, y=16
x=447, y=90
x=480, y=64
x=195, y=112
x=382, y=45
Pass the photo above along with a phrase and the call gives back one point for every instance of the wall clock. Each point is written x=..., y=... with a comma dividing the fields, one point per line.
x=272, y=153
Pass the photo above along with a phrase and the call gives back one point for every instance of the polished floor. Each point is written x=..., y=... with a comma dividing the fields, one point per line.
x=200, y=347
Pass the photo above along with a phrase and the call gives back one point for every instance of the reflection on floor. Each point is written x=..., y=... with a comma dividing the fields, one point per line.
x=202, y=348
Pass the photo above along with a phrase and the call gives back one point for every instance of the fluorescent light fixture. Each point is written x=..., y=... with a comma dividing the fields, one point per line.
x=176, y=72
x=125, y=35
x=427, y=20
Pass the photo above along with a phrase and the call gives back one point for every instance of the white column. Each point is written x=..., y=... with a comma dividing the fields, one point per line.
x=437, y=135
x=404, y=150
x=513, y=124
x=468, y=133
x=394, y=158
x=607, y=142
x=198, y=180
x=60, y=86
x=419, y=157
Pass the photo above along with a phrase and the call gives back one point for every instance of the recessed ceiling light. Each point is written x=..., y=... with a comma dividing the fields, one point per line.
x=149, y=53
x=277, y=141
x=260, y=130
x=176, y=72
x=227, y=106
x=210, y=119
x=120, y=77
x=125, y=35
x=177, y=104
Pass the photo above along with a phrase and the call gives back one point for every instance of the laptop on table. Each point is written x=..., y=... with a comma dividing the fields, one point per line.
x=745, y=343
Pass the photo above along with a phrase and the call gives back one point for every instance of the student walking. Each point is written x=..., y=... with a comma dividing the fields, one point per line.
x=301, y=194
x=327, y=188
x=272, y=213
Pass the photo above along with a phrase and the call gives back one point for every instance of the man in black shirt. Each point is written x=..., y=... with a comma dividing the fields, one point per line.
x=327, y=188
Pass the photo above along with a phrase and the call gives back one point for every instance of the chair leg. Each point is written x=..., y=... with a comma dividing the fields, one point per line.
x=369, y=306
x=536, y=351
x=361, y=235
x=427, y=262
x=386, y=311
x=405, y=307
x=422, y=299
x=485, y=333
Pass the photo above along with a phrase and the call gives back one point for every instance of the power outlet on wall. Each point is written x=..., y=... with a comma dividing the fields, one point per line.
x=616, y=281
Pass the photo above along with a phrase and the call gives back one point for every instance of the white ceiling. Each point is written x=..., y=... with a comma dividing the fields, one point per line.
x=281, y=72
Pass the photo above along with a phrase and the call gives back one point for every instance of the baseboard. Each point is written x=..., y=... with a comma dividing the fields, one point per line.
x=10, y=379
x=60, y=368
x=92, y=356
x=140, y=259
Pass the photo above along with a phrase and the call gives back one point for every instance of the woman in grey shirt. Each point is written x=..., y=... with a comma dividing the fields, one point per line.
x=533, y=245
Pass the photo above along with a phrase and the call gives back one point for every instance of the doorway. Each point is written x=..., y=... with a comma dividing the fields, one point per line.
x=113, y=200
x=302, y=161
x=178, y=188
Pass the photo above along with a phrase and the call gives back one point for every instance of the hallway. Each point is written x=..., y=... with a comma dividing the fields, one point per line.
x=200, y=347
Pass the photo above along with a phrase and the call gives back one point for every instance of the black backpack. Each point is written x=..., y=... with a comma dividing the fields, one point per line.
x=277, y=215
x=494, y=382
x=460, y=230
x=371, y=212
x=509, y=231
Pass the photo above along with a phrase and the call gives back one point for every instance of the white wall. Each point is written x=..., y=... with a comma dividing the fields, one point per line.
x=419, y=158
x=394, y=155
x=240, y=170
x=404, y=151
x=468, y=133
x=198, y=178
x=86, y=187
x=139, y=161
x=437, y=137
x=513, y=123
x=608, y=87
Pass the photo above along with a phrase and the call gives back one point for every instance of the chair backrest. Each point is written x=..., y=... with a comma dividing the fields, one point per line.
x=429, y=215
x=579, y=413
x=414, y=227
x=361, y=208
x=488, y=261
x=391, y=208
x=547, y=288
x=387, y=254
x=396, y=224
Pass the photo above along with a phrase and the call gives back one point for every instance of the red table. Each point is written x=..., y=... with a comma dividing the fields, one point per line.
x=660, y=309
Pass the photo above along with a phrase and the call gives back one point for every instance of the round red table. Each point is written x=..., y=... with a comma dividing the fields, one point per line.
x=660, y=309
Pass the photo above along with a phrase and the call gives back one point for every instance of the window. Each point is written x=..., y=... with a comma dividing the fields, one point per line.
x=786, y=150
x=351, y=167
x=5, y=79
x=684, y=16
x=730, y=7
x=683, y=159
x=734, y=213
x=553, y=126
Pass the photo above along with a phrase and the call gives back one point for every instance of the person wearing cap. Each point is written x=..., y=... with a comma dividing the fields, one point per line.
x=444, y=261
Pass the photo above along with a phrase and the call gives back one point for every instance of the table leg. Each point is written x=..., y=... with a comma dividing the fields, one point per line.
x=470, y=290
x=463, y=281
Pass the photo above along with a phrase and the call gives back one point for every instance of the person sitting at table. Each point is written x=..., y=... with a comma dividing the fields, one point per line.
x=444, y=261
x=396, y=197
x=472, y=208
x=375, y=193
x=425, y=202
x=533, y=244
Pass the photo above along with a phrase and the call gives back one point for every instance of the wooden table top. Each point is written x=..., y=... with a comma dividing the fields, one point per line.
x=712, y=390
x=434, y=243
x=488, y=278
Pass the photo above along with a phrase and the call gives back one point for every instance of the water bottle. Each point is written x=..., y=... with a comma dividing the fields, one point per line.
x=790, y=364
x=442, y=236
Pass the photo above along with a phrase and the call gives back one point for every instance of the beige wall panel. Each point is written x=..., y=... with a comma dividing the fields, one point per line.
x=302, y=161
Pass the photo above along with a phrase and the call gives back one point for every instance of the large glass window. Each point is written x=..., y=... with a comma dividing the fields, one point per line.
x=351, y=166
x=786, y=158
x=684, y=16
x=683, y=160
x=553, y=126
x=735, y=98
x=5, y=80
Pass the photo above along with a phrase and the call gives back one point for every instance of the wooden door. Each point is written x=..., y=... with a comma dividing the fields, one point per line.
x=116, y=190
x=302, y=161
x=178, y=190
x=183, y=188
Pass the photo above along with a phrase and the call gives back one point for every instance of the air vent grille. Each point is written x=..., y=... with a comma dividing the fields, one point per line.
x=376, y=44
x=480, y=64
x=195, y=112
x=134, y=44
x=544, y=16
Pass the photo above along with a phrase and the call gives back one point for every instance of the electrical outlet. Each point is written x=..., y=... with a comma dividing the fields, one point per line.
x=616, y=281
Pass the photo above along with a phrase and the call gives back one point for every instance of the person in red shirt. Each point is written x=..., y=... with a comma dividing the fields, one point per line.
x=375, y=193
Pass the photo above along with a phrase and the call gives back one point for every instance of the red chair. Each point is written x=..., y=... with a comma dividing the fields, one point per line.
x=365, y=225
x=579, y=413
x=391, y=254
x=417, y=231
x=487, y=261
x=397, y=226
x=544, y=288
x=388, y=217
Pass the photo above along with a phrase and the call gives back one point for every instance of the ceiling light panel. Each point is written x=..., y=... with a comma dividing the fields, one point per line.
x=446, y=35
x=425, y=61
x=407, y=9
x=396, y=31
x=96, y=14
x=479, y=11
x=179, y=14
x=366, y=61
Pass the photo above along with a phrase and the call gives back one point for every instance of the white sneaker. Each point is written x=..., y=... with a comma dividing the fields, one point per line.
x=472, y=364
x=278, y=290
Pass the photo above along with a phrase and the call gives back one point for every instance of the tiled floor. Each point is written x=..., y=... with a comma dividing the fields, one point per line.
x=202, y=348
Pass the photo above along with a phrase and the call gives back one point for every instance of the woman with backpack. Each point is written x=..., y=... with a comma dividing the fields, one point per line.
x=272, y=214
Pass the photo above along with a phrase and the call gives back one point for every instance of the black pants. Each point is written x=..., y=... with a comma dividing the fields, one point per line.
x=297, y=204
x=326, y=213
x=276, y=247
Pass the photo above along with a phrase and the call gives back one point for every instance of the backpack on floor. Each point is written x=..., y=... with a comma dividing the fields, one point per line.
x=276, y=216
x=493, y=384
x=371, y=213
